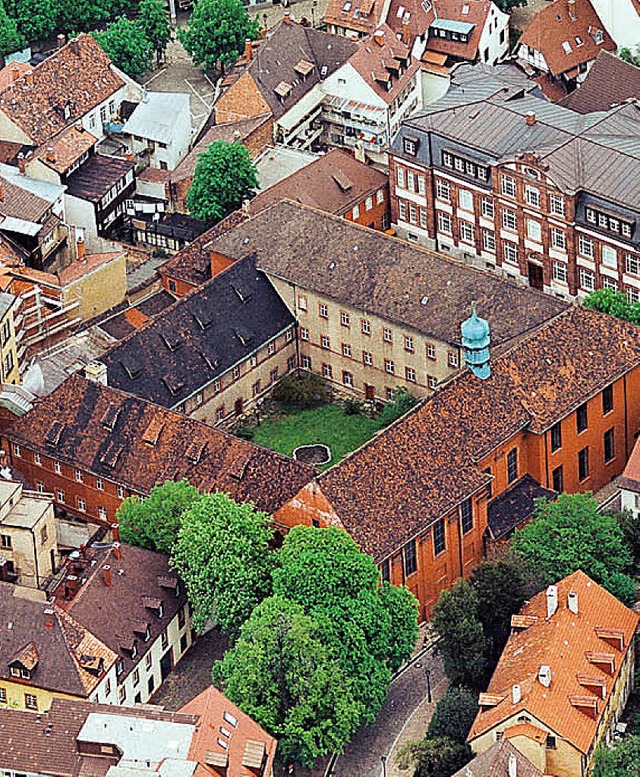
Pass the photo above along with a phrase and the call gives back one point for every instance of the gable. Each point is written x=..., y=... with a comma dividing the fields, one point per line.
x=243, y=100
x=308, y=505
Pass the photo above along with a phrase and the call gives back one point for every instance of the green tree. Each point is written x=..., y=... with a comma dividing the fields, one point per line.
x=216, y=32
x=501, y=588
x=126, y=46
x=454, y=715
x=571, y=534
x=439, y=757
x=630, y=525
x=155, y=522
x=508, y=5
x=81, y=15
x=10, y=38
x=615, y=303
x=155, y=26
x=281, y=673
x=223, y=179
x=35, y=19
x=369, y=630
x=462, y=644
x=628, y=56
x=395, y=408
x=621, y=760
x=223, y=556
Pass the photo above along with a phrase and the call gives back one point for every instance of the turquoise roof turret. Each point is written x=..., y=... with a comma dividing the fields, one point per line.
x=476, y=339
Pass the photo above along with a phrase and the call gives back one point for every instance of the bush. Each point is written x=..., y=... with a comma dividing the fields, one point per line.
x=245, y=433
x=302, y=392
x=352, y=407
x=395, y=408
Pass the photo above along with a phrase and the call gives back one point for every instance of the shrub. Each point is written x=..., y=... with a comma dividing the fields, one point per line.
x=302, y=392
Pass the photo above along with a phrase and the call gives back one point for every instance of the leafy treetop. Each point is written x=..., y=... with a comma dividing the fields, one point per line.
x=126, y=46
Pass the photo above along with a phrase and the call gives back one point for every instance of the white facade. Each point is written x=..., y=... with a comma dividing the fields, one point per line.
x=494, y=40
x=621, y=20
x=160, y=127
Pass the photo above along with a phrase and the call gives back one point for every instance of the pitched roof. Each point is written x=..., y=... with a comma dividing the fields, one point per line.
x=53, y=655
x=610, y=81
x=334, y=183
x=215, y=713
x=566, y=32
x=217, y=326
x=77, y=77
x=20, y=203
x=92, y=180
x=577, y=649
x=535, y=383
x=392, y=278
x=193, y=264
x=67, y=148
x=494, y=762
x=118, y=615
x=361, y=15
x=477, y=13
x=515, y=505
x=409, y=19
x=149, y=444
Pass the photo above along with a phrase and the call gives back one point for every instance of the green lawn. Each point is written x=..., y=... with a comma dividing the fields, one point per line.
x=328, y=424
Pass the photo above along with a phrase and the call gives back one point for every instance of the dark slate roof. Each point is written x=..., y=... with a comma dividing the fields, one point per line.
x=200, y=337
x=117, y=615
x=610, y=81
x=514, y=506
x=137, y=444
x=494, y=762
x=92, y=180
x=129, y=319
x=391, y=278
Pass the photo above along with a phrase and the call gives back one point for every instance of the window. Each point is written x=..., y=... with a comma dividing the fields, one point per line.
x=82, y=505
x=444, y=223
x=410, y=558
x=380, y=192
x=235, y=373
x=220, y=413
x=325, y=342
x=585, y=246
x=57, y=468
x=164, y=640
x=99, y=484
x=510, y=252
x=385, y=575
x=147, y=661
x=410, y=180
x=512, y=465
x=609, y=445
x=306, y=362
x=452, y=358
x=466, y=515
x=509, y=220
x=40, y=488
x=122, y=694
x=288, y=338
x=423, y=218
x=632, y=264
x=551, y=742
x=443, y=190
x=356, y=212
x=609, y=283
x=304, y=334
x=583, y=464
x=347, y=379
x=102, y=513
x=410, y=374
x=465, y=199
x=587, y=279
x=271, y=349
x=402, y=210
x=633, y=294
x=5, y=541
x=366, y=327
x=413, y=213
x=387, y=335
x=508, y=186
x=408, y=344
x=581, y=418
x=120, y=492
x=534, y=230
x=400, y=179
x=432, y=382
x=559, y=272
x=37, y=459
x=345, y=319
x=302, y=303
x=421, y=186
x=60, y=497
x=327, y=371
x=556, y=204
x=323, y=310
x=16, y=449
x=410, y=146
x=3, y=695
x=556, y=437
x=558, y=239
x=216, y=385
x=532, y=196
x=557, y=479
x=273, y=375
x=466, y=232
x=30, y=701
x=488, y=211
x=439, y=542
x=367, y=358
x=607, y=400
x=431, y=351
x=389, y=367
x=609, y=256
x=255, y=388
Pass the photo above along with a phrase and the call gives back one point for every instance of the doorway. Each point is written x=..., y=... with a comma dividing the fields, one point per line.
x=536, y=276
x=166, y=664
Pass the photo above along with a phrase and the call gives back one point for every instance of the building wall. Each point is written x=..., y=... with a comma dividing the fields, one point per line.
x=175, y=286
x=494, y=44
x=9, y=363
x=82, y=212
x=621, y=20
x=100, y=290
x=240, y=101
x=372, y=211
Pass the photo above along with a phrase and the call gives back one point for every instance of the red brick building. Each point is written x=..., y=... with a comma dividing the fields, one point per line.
x=496, y=176
x=560, y=408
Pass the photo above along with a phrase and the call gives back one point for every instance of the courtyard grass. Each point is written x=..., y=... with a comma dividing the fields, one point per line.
x=327, y=424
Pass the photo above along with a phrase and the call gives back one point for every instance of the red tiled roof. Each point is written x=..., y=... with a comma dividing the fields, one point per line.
x=610, y=81
x=360, y=15
x=563, y=22
x=67, y=148
x=478, y=11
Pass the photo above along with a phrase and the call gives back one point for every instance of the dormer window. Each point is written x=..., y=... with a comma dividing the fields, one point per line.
x=410, y=145
x=119, y=666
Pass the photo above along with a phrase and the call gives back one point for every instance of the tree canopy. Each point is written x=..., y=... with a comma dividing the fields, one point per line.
x=82, y=15
x=155, y=26
x=282, y=674
x=454, y=714
x=154, y=523
x=35, y=19
x=10, y=38
x=621, y=760
x=615, y=303
x=571, y=534
x=216, y=32
x=223, y=556
x=223, y=179
x=125, y=44
x=437, y=757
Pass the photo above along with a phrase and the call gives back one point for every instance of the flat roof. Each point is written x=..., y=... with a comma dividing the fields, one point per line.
x=451, y=25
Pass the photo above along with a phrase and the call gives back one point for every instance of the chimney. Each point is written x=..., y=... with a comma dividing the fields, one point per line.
x=51, y=154
x=15, y=74
x=513, y=765
x=49, y=618
x=117, y=553
x=544, y=676
x=61, y=41
x=516, y=694
x=79, y=127
x=530, y=118
x=572, y=602
x=22, y=165
x=81, y=248
x=378, y=37
x=97, y=372
x=75, y=47
x=106, y=575
x=248, y=50
x=71, y=585
x=28, y=77
x=115, y=532
x=287, y=17
x=552, y=600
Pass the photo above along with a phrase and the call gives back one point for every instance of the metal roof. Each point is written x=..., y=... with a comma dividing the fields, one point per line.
x=451, y=25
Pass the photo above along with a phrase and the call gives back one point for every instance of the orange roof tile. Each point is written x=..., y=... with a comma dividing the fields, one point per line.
x=526, y=730
x=570, y=645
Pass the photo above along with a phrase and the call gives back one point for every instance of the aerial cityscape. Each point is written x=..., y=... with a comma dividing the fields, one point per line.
x=319, y=388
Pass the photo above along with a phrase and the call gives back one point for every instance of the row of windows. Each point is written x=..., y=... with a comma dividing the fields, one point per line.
x=414, y=214
x=30, y=700
x=407, y=179
x=368, y=204
x=608, y=441
x=582, y=419
x=610, y=223
x=347, y=377
x=256, y=388
x=533, y=196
